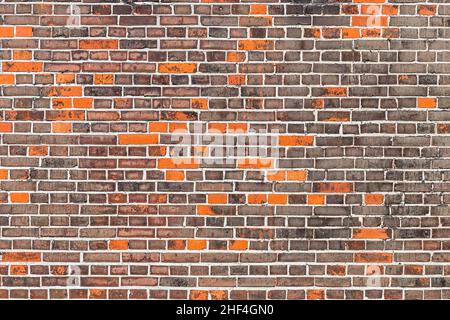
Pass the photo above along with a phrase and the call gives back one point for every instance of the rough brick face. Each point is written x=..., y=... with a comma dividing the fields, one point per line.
x=108, y=189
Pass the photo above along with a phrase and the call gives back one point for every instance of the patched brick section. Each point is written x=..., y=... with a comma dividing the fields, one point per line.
x=350, y=201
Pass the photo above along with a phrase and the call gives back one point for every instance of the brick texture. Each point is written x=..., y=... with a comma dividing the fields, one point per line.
x=95, y=202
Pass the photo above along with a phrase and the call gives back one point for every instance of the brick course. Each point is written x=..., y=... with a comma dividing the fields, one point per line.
x=95, y=204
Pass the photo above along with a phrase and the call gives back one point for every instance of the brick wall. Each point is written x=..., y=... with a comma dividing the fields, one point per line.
x=345, y=199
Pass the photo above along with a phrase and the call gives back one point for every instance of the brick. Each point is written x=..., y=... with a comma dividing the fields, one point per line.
x=374, y=257
x=24, y=31
x=370, y=233
x=118, y=245
x=22, y=66
x=38, y=150
x=316, y=199
x=7, y=79
x=21, y=257
x=196, y=244
x=333, y=187
x=20, y=197
x=177, y=68
x=426, y=102
x=373, y=199
x=296, y=141
x=255, y=45
x=98, y=44
x=138, y=139
x=238, y=245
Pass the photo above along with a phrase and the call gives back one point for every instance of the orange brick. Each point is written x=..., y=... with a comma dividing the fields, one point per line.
x=175, y=175
x=236, y=80
x=371, y=9
x=118, y=245
x=37, y=151
x=296, y=175
x=158, y=126
x=374, y=199
x=236, y=56
x=369, y=1
x=6, y=79
x=315, y=199
x=99, y=44
x=296, y=140
x=257, y=198
x=218, y=295
x=21, y=257
x=59, y=270
x=351, y=33
x=22, y=66
x=103, y=79
x=65, y=78
x=335, y=92
x=426, y=102
x=217, y=127
x=82, y=103
x=3, y=174
x=215, y=198
x=254, y=163
x=201, y=151
x=20, y=197
x=205, y=210
x=238, y=245
x=389, y=10
x=370, y=233
x=258, y=9
x=6, y=32
x=61, y=127
x=426, y=10
x=138, y=139
x=198, y=295
x=24, y=31
x=274, y=198
x=18, y=270
x=196, y=244
x=178, y=127
x=334, y=187
x=237, y=127
x=178, y=163
x=62, y=103
x=177, y=68
x=374, y=257
x=370, y=21
x=279, y=175
x=256, y=45
x=315, y=294
x=97, y=294
x=22, y=55
x=200, y=103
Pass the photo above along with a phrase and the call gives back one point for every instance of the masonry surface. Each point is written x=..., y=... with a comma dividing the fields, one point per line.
x=94, y=204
